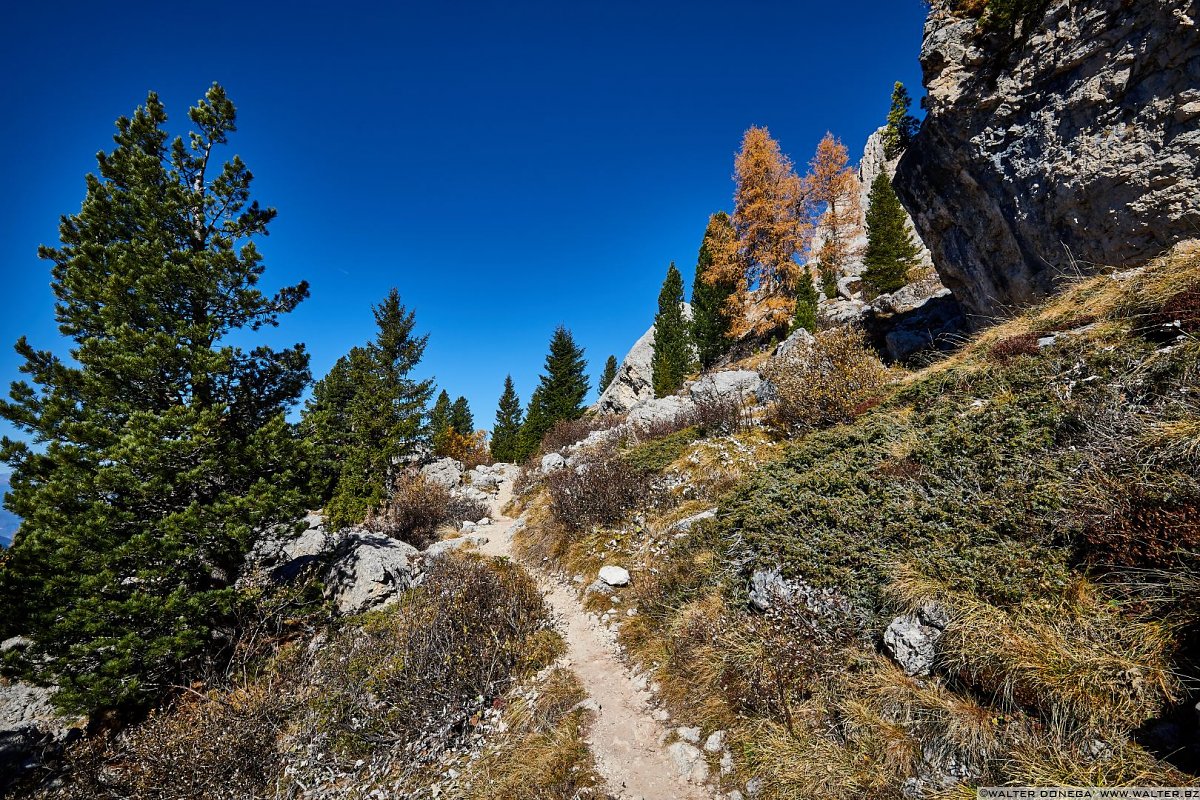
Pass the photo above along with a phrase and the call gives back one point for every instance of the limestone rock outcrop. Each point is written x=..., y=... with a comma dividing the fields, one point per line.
x=632, y=384
x=1076, y=143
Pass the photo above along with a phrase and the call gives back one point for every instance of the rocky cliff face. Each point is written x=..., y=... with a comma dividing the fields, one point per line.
x=1077, y=144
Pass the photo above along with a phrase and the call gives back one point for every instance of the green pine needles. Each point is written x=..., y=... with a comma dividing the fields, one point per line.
x=891, y=249
x=901, y=127
x=609, y=374
x=710, y=295
x=158, y=448
x=368, y=415
x=807, y=298
x=672, y=360
x=560, y=391
x=506, y=433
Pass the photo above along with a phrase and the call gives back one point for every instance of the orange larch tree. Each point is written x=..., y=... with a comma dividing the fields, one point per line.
x=771, y=228
x=832, y=193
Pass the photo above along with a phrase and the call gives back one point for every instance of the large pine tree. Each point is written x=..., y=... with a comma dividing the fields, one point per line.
x=381, y=422
x=507, y=430
x=711, y=292
x=891, y=249
x=461, y=418
x=609, y=374
x=672, y=359
x=156, y=451
x=439, y=417
x=560, y=391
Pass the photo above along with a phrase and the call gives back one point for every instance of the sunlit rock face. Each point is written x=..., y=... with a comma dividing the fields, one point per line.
x=1076, y=144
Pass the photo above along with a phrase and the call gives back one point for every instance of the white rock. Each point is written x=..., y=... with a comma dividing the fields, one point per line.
x=614, y=576
x=552, y=462
x=446, y=472
x=689, y=761
x=689, y=734
x=727, y=383
x=911, y=644
x=714, y=742
x=369, y=571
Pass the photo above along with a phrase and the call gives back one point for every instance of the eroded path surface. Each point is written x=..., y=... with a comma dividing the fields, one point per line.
x=625, y=739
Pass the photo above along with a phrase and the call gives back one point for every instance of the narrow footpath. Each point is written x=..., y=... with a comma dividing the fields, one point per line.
x=626, y=741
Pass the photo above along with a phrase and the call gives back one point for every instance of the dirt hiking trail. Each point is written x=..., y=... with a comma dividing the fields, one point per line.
x=625, y=739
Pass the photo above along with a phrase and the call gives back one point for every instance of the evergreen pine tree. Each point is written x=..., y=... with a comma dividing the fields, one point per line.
x=711, y=292
x=507, y=430
x=439, y=417
x=158, y=448
x=610, y=372
x=672, y=358
x=383, y=418
x=901, y=126
x=891, y=250
x=461, y=418
x=806, y=303
x=560, y=391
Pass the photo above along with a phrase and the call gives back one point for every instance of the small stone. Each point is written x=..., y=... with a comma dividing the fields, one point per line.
x=689, y=734
x=614, y=576
x=726, y=762
x=715, y=741
x=689, y=761
x=754, y=786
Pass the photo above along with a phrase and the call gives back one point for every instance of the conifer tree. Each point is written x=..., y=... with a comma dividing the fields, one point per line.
x=891, y=249
x=461, y=419
x=672, y=359
x=772, y=229
x=507, y=430
x=383, y=420
x=439, y=417
x=711, y=291
x=560, y=391
x=831, y=192
x=157, y=450
x=901, y=126
x=610, y=372
x=806, y=304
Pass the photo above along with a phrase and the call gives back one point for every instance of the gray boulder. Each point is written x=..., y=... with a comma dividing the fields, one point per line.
x=369, y=571
x=798, y=338
x=741, y=383
x=632, y=384
x=29, y=728
x=552, y=462
x=767, y=587
x=660, y=410
x=484, y=479
x=685, y=525
x=439, y=549
x=447, y=472
x=912, y=643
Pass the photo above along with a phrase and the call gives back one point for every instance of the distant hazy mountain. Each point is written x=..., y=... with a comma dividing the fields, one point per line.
x=8, y=521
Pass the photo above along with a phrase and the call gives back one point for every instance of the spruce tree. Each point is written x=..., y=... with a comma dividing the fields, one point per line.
x=711, y=293
x=461, y=418
x=672, y=359
x=158, y=449
x=806, y=303
x=901, y=126
x=383, y=419
x=610, y=372
x=560, y=391
x=439, y=417
x=507, y=430
x=891, y=249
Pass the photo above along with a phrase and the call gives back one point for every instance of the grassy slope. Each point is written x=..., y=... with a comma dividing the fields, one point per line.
x=1048, y=496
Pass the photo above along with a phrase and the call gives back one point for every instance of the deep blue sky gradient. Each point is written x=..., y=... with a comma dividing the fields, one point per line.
x=507, y=166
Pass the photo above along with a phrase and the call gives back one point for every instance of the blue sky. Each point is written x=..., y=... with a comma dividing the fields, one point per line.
x=508, y=166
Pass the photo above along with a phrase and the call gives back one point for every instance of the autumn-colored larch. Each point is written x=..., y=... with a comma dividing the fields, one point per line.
x=832, y=191
x=771, y=229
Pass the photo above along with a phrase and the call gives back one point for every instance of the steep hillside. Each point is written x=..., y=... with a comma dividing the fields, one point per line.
x=988, y=576
x=1069, y=141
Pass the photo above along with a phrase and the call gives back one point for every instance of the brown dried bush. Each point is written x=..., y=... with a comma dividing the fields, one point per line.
x=1005, y=350
x=599, y=490
x=421, y=669
x=463, y=509
x=471, y=450
x=722, y=415
x=1182, y=310
x=821, y=385
x=414, y=511
x=567, y=432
